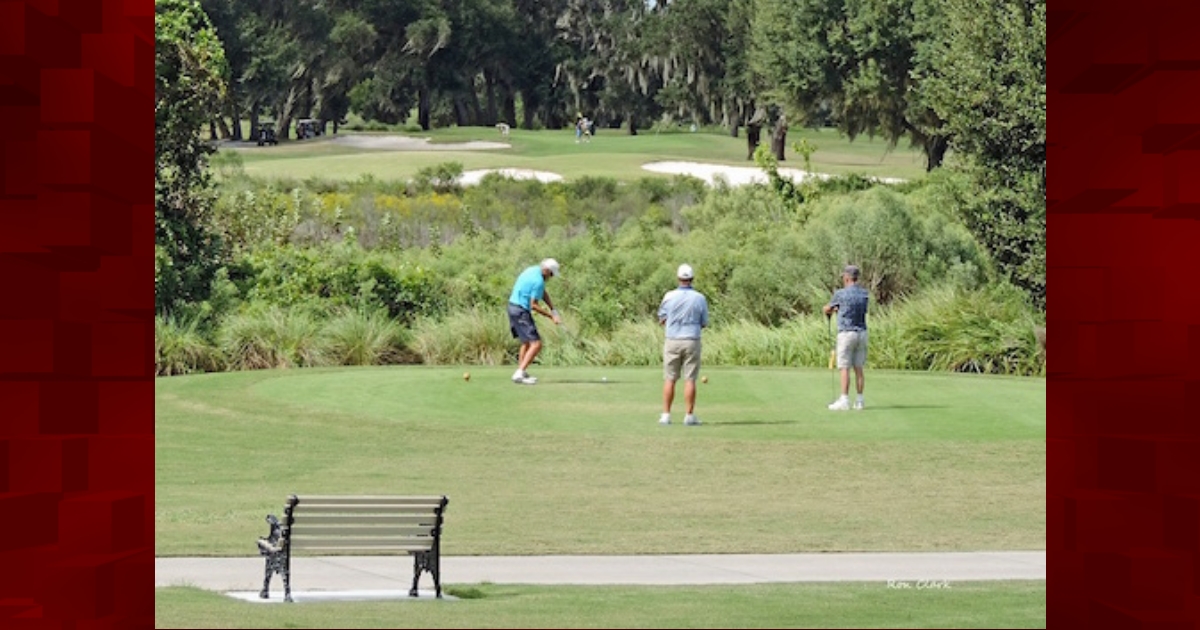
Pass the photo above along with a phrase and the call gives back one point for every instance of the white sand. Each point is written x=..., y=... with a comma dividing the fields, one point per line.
x=470, y=178
x=405, y=143
x=737, y=175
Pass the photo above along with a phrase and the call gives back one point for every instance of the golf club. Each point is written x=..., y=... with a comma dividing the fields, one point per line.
x=832, y=356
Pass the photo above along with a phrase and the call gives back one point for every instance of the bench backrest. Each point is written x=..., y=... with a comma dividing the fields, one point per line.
x=357, y=524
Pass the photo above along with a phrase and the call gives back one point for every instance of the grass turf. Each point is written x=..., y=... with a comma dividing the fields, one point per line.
x=1017, y=604
x=576, y=465
x=612, y=153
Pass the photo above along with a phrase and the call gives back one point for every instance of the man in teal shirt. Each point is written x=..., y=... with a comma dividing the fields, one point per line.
x=528, y=290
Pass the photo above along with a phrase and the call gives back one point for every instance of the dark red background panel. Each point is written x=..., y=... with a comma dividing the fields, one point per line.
x=76, y=369
x=1124, y=249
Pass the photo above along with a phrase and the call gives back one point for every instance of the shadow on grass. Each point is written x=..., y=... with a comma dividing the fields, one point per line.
x=582, y=381
x=869, y=408
x=725, y=423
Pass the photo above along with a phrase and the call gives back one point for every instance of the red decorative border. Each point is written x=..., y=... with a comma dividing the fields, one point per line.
x=76, y=320
x=76, y=329
x=1123, y=447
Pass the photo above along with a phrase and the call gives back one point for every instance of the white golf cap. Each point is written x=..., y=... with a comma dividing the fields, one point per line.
x=551, y=265
x=685, y=272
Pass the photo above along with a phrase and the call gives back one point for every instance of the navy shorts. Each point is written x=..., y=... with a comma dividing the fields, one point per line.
x=520, y=321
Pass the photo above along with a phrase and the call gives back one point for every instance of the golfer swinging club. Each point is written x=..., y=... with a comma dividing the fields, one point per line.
x=850, y=302
x=528, y=290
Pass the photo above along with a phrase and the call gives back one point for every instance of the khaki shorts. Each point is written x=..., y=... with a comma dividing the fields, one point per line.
x=683, y=353
x=851, y=349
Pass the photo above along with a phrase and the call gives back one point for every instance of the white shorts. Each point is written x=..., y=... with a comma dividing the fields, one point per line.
x=851, y=349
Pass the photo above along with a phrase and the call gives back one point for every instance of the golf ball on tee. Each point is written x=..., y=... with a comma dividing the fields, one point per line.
x=604, y=379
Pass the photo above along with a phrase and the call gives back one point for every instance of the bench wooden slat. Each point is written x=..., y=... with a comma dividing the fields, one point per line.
x=361, y=530
x=361, y=509
x=399, y=542
x=304, y=519
x=369, y=499
x=345, y=550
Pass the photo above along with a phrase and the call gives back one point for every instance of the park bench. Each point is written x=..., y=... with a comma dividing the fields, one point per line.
x=355, y=525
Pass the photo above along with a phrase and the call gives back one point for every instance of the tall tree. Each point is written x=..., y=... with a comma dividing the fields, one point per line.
x=988, y=82
x=851, y=62
x=189, y=63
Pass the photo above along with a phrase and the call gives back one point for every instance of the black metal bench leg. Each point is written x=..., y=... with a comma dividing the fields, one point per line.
x=417, y=562
x=266, y=589
x=436, y=569
x=287, y=579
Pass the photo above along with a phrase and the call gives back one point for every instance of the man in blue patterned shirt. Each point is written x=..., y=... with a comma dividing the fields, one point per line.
x=684, y=311
x=850, y=303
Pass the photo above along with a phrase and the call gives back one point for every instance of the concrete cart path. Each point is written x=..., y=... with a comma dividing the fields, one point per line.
x=341, y=573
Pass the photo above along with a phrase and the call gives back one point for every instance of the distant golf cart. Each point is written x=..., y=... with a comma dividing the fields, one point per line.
x=266, y=134
x=309, y=128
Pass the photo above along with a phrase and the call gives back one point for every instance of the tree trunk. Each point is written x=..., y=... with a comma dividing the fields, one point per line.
x=529, y=109
x=489, y=84
x=235, y=115
x=779, y=138
x=510, y=106
x=254, y=120
x=284, y=121
x=223, y=128
x=462, y=117
x=423, y=106
x=753, y=137
x=633, y=124
x=476, y=113
x=935, y=151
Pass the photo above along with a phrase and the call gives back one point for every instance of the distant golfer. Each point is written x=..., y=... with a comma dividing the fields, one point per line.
x=850, y=303
x=684, y=311
x=528, y=290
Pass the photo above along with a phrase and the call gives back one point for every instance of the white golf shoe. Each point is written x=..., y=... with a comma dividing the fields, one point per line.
x=858, y=404
x=523, y=378
x=691, y=420
x=664, y=418
x=841, y=404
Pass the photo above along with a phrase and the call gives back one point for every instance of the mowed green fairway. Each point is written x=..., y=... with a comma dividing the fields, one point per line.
x=575, y=465
x=1017, y=604
x=612, y=153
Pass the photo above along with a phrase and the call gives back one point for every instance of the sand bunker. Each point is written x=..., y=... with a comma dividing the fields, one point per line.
x=737, y=175
x=470, y=178
x=405, y=143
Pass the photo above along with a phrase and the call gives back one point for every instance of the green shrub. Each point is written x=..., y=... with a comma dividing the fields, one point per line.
x=444, y=178
x=271, y=337
x=478, y=337
x=180, y=348
x=991, y=331
x=338, y=276
x=897, y=250
x=364, y=338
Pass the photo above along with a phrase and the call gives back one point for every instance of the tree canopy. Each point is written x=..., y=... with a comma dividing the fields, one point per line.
x=963, y=80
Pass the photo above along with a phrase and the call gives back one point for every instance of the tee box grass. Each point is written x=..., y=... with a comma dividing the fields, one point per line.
x=575, y=465
x=579, y=465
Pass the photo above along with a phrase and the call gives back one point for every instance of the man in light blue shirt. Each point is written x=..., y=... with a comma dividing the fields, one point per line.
x=527, y=291
x=684, y=312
